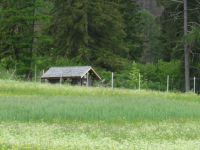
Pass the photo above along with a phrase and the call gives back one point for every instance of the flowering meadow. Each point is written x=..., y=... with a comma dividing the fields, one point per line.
x=163, y=135
x=43, y=116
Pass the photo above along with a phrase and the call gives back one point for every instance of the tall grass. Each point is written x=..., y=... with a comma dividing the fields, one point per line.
x=119, y=109
x=16, y=88
x=44, y=116
x=37, y=102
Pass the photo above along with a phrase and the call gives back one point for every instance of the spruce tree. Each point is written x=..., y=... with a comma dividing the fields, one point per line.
x=88, y=30
x=0, y=13
x=177, y=20
x=133, y=76
x=134, y=37
x=18, y=35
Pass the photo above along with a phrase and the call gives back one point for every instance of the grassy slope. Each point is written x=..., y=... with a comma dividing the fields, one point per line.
x=14, y=88
x=43, y=116
x=54, y=103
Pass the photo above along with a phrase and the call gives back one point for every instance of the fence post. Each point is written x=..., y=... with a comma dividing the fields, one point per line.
x=61, y=78
x=15, y=71
x=194, y=84
x=167, y=83
x=35, y=73
x=139, y=81
x=112, y=80
x=87, y=80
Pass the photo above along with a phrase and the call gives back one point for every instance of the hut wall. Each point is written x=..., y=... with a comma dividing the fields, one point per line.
x=54, y=81
x=76, y=81
x=91, y=81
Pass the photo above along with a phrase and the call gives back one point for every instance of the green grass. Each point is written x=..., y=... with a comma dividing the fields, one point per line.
x=92, y=108
x=43, y=116
x=26, y=102
x=15, y=88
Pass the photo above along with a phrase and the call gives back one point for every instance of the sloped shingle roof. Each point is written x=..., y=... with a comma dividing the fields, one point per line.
x=76, y=71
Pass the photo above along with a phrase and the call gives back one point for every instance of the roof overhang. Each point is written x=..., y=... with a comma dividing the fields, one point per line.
x=93, y=71
x=51, y=78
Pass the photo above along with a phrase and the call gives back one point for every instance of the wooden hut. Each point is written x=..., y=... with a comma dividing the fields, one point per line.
x=79, y=75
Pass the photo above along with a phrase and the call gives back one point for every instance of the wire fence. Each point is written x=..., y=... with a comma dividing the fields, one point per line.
x=167, y=84
x=113, y=80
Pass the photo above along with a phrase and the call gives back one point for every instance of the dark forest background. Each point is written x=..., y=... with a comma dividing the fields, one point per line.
x=126, y=37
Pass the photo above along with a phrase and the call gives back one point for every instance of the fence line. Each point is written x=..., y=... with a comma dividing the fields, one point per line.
x=152, y=83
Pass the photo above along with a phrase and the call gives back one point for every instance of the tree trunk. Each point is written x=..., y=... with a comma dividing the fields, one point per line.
x=86, y=25
x=28, y=75
x=86, y=29
x=15, y=71
x=16, y=53
x=186, y=51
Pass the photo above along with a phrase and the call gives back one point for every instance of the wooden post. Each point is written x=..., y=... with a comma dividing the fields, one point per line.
x=87, y=79
x=15, y=71
x=61, y=78
x=194, y=84
x=112, y=80
x=167, y=83
x=35, y=73
x=139, y=81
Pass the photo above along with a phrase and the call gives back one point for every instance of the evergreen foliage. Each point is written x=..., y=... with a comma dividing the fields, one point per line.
x=106, y=34
x=134, y=76
x=0, y=13
x=63, y=62
x=172, y=37
x=99, y=32
x=172, y=30
x=18, y=35
x=171, y=20
x=151, y=30
x=133, y=21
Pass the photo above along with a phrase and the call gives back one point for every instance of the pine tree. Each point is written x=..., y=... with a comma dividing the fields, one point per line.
x=134, y=38
x=18, y=32
x=133, y=76
x=0, y=13
x=87, y=30
x=177, y=20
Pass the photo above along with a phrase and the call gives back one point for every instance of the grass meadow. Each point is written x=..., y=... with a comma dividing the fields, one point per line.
x=44, y=116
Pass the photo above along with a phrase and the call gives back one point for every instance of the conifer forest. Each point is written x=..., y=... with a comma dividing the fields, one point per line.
x=156, y=38
x=99, y=74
